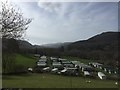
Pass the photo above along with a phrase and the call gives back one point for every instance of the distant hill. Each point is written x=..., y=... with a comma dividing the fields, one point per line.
x=25, y=44
x=55, y=45
x=100, y=47
x=97, y=42
x=102, y=41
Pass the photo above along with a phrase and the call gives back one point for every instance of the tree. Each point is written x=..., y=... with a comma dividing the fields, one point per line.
x=14, y=26
x=12, y=21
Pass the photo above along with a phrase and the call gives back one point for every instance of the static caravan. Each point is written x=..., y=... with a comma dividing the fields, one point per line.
x=85, y=67
x=62, y=60
x=41, y=64
x=97, y=65
x=57, y=65
x=67, y=64
x=110, y=69
x=76, y=63
x=86, y=73
x=101, y=75
x=42, y=60
x=30, y=69
x=64, y=70
x=105, y=69
x=36, y=55
x=54, y=69
x=43, y=57
x=53, y=59
x=70, y=71
x=46, y=69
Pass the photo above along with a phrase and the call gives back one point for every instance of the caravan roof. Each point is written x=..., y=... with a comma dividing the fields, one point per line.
x=101, y=74
x=42, y=60
x=42, y=63
x=43, y=57
x=61, y=59
x=95, y=63
x=56, y=64
x=86, y=73
x=54, y=69
x=53, y=58
x=66, y=62
x=84, y=65
x=75, y=62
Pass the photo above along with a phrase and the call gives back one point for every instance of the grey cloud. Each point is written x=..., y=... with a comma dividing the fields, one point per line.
x=60, y=22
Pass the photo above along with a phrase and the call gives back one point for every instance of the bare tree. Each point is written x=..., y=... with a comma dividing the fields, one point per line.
x=14, y=26
x=13, y=23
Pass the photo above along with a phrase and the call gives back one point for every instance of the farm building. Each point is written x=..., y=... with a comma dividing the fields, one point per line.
x=101, y=75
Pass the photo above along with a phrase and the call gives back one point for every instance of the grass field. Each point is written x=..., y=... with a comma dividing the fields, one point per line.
x=25, y=60
x=53, y=81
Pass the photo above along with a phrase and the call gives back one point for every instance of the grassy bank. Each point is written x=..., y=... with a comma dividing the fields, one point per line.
x=25, y=60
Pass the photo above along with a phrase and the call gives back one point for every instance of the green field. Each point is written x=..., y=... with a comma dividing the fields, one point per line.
x=54, y=81
x=25, y=60
x=33, y=80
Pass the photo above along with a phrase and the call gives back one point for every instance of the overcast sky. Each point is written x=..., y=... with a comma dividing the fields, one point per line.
x=68, y=21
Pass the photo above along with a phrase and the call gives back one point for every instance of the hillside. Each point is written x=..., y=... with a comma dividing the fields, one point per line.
x=100, y=47
x=24, y=44
x=103, y=46
x=100, y=42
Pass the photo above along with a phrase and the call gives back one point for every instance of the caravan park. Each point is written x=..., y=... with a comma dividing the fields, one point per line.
x=51, y=72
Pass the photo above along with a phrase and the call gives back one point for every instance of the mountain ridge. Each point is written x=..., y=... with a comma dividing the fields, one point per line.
x=99, y=39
